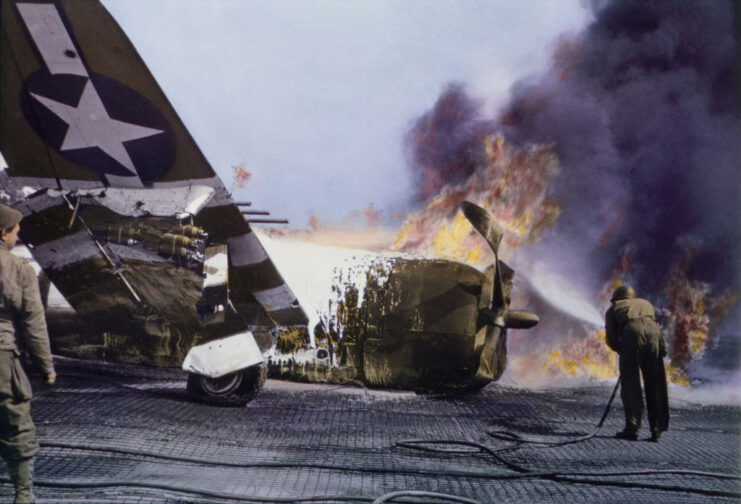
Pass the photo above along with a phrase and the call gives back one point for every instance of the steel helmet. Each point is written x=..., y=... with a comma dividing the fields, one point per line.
x=9, y=217
x=623, y=292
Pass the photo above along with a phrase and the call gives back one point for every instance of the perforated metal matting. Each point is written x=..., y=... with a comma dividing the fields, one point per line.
x=114, y=433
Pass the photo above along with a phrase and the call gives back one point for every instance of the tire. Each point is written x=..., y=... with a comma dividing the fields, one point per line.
x=234, y=389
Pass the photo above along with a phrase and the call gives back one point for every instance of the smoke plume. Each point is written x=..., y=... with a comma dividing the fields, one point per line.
x=445, y=144
x=644, y=116
x=642, y=108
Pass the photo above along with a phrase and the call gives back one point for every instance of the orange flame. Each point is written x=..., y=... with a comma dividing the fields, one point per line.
x=241, y=176
x=509, y=183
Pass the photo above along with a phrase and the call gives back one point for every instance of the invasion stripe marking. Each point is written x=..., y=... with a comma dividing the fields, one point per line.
x=51, y=38
x=277, y=298
x=246, y=250
x=256, y=277
x=289, y=317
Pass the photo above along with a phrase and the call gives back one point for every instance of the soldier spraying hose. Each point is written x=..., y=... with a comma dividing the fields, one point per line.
x=632, y=332
x=22, y=325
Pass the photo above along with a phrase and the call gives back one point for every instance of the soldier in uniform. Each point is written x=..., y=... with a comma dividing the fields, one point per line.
x=22, y=326
x=632, y=332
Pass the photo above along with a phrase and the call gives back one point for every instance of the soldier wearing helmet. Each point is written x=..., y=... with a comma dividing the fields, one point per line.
x=632, y=332
x=22, y=325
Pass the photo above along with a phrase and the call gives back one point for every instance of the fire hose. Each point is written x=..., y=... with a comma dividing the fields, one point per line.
x=511, y=436
x=388, y=497
x=520, y=472
x=570, y=476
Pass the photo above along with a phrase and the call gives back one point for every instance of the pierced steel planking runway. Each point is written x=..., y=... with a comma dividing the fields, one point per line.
x=114, y=433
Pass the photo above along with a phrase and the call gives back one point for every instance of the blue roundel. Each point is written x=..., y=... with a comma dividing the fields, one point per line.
x=135, y=139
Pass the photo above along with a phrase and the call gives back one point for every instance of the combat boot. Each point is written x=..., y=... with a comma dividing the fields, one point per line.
x=20, y=474
x=628, y=434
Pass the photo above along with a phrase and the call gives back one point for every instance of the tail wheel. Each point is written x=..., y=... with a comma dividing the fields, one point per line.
x=234, y=389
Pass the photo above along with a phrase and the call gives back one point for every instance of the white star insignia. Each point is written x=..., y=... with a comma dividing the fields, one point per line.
x=91, y=126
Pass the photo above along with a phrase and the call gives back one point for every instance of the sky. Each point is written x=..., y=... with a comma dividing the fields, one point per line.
x=314, y=98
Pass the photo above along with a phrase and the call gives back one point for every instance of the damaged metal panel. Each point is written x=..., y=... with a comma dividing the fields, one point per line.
x=83, y=118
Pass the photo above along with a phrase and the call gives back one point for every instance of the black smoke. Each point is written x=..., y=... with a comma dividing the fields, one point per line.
x=445, y=144
x=643, y=108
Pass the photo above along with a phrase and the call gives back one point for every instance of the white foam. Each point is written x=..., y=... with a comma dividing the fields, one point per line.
x=319, y=275
x=559, y=293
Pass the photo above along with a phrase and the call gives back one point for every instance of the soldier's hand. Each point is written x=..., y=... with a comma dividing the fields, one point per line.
x=50, y=378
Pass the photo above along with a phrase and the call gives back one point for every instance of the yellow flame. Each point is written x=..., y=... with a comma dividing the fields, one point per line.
x=403, y=232
x=698, y=338
x=556, y=359
x=599, y=370
x=448, y=241
x=489, y=147
x=588, y=365
x=612, y=357
x=677, y=376
x=521, y=223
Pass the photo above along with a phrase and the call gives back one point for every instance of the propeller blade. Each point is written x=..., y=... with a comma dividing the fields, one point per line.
x=484, y=223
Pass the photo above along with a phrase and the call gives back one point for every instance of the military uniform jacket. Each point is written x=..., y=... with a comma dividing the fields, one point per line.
x=22, y=317
x=632, y=323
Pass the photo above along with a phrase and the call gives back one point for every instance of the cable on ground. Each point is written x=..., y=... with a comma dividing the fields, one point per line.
x=511, y=436
x=419, y=493
x=388, y=497
x=568, y=476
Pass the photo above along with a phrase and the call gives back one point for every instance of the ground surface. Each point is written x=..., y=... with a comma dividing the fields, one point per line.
x=113, y=434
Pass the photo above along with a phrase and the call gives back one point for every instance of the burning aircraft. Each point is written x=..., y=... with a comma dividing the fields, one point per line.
x=394, y=320
x=633, y=134
x=130, y=223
